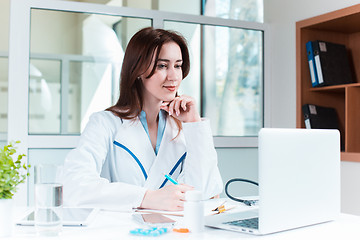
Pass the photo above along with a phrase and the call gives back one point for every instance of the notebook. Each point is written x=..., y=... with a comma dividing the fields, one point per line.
x=299, y=182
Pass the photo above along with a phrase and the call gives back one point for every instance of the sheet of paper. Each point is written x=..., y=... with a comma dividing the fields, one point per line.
x=209, y=205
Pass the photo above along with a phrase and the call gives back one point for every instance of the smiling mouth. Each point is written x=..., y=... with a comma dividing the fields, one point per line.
x=170, y=88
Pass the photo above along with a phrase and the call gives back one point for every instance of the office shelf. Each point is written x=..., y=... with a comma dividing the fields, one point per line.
x=342, y=27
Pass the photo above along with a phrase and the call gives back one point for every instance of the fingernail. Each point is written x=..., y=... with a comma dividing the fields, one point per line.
x=177, y=113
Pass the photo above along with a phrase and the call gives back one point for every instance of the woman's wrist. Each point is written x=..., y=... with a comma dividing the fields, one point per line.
x=145, y=201
x=193, y=119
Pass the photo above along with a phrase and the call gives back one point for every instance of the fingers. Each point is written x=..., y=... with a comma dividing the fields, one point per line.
x=179, y=188
x=170, y=197
x=171, y=107
x=183, y=105
x=180, y=196
x=177, y=192
x=184, y=187
x=183, y=108
x=178, y=105
x=180, y=206
x=165, y=106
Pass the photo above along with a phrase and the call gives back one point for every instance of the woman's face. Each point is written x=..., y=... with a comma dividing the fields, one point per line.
x=164, y=83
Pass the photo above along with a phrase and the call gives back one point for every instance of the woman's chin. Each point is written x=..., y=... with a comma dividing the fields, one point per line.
x=168, y=98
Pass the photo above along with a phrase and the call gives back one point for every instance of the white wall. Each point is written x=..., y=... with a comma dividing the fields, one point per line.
x=281, y=15
x=239, y=163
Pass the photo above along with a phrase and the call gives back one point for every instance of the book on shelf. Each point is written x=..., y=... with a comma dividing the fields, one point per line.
x=312, y=66
x=319, y=117
x=330, y=63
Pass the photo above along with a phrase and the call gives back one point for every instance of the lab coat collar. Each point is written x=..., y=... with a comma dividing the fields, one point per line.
x=170, y=151
x=156, y=166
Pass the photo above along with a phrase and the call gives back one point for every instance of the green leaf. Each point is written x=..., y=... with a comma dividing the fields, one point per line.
x=12, y=173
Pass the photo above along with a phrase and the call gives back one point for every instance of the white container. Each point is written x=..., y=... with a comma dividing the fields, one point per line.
x=6, y=217
x=194, y=211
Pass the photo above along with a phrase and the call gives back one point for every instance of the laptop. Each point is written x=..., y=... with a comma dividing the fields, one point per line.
x=299, y=182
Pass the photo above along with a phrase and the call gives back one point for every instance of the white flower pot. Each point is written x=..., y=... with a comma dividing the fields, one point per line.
x=6, y=217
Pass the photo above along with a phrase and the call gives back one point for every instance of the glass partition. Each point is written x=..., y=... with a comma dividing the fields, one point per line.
x=184, y=6
x=245, y=10
x=4, y=25
x=44, y=96
x=233, y=73
x=75, y=67
x=4, y=48
x=191, y=84
x=232, y=65
x=3, y=95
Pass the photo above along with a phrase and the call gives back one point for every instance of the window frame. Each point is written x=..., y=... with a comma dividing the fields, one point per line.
x=3, y=135
x=19, y=57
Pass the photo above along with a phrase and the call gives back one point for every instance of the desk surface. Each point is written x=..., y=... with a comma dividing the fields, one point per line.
x=116, y=225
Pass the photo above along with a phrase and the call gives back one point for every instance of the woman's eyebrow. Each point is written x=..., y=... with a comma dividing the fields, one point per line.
x=167, y=60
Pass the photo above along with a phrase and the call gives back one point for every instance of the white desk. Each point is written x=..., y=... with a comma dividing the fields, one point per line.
x=116, y=225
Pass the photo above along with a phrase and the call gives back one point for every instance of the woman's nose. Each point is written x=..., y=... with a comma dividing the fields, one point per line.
x=174, y=74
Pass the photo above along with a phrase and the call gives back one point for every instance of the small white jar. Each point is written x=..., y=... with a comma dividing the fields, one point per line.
x=194, y=211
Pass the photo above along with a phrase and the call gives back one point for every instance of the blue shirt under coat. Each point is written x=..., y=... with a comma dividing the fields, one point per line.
x=161, y=127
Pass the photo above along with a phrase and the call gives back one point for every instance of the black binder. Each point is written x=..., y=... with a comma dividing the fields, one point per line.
x=332, y=63
x=318, y=117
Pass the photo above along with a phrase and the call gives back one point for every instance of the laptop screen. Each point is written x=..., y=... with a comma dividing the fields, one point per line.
x=299, y=177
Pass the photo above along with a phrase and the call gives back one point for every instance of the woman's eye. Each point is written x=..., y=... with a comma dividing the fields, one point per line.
x=161, y=66
x=178, y=66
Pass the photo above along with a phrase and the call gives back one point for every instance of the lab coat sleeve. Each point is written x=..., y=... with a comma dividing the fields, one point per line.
x=200, y=167
x=83, y=185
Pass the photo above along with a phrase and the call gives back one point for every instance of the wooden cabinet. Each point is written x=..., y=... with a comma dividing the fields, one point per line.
x=343, y=27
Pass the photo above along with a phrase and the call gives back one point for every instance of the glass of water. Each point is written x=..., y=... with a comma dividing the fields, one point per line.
x=48, y=200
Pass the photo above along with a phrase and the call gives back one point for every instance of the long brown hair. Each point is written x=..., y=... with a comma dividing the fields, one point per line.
x=138, y=57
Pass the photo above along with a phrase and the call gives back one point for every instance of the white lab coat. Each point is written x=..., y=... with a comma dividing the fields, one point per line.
x=103, y=172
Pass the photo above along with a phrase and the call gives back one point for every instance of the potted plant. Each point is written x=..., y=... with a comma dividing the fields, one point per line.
x=12, y=173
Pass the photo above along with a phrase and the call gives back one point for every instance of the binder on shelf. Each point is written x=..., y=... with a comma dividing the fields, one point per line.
x=331, y=63
x=312, y=66
x=318, y=117
x=318, y=70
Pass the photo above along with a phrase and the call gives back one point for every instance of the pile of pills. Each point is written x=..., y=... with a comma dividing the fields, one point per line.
x=152, y=232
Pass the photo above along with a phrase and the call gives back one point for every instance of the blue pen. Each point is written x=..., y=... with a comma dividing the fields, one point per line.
x=171, y=180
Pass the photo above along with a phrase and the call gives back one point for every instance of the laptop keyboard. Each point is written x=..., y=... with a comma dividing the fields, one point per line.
x=247, y=223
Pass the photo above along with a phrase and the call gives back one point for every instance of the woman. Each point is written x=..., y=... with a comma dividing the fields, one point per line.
x=125, y=151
